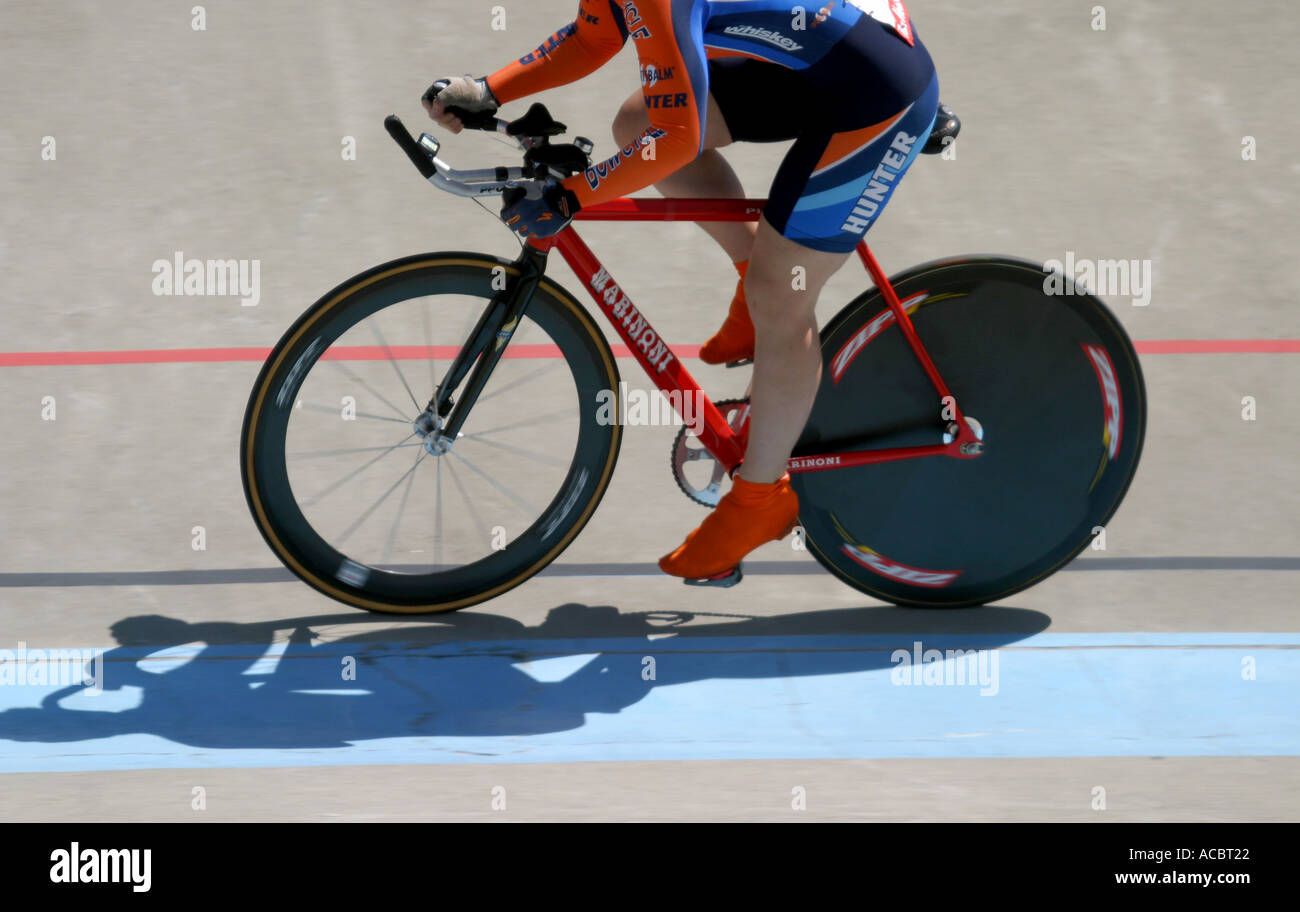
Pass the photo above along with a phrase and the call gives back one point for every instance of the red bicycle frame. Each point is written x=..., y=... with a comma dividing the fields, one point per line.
x=670, y=375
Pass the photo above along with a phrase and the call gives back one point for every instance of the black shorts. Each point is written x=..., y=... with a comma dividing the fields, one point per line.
x=859, y=118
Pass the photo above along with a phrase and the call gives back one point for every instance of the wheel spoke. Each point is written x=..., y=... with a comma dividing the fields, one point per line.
x=517, y=498
x=374, y=506
x=514, y=383
x=401, y=509
x=397, y=368
x=526, y=423
x=428, y=341
x=371, y=390
x=312, y=501
x=437, y=517
x=528, y=454
x=312, y=407
x=469, y=504
x=348, y=452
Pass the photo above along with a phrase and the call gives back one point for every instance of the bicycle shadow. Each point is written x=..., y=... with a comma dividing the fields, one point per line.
x=460, y=674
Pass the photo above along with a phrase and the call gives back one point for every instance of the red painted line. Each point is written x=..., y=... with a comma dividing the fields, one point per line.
x=156, y=356
x=1218, y=346
x=444, y=352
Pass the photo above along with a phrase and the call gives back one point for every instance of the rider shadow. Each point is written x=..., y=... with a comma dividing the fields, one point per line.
x=459, y=674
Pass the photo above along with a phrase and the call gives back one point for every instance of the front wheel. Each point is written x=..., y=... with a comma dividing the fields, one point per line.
x=1051, y=378
x=361, y=503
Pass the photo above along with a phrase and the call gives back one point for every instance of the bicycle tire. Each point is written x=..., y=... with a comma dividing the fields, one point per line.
x=945, y=532
x=280, y=519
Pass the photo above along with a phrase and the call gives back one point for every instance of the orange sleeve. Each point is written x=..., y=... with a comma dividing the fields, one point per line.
x=579, y=48
x=675, y=86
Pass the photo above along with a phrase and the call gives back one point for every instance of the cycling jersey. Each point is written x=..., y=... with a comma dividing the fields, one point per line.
x=850, y=81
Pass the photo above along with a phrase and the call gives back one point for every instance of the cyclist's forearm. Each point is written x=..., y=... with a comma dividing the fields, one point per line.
x=661, y=151
x=573, y=52
x=674, y=80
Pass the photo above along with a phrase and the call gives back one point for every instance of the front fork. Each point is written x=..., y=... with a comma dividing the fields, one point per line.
x=440, y=422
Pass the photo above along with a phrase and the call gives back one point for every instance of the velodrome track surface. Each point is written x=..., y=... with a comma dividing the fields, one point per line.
x=1163, y=670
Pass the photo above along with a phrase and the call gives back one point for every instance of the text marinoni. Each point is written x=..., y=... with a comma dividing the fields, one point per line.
x=638, y=330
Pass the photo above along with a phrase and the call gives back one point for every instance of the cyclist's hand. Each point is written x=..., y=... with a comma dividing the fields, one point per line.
x=538, y=208
x=459, y=92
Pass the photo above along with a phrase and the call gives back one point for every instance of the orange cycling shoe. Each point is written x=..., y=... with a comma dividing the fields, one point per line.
x=735, y=340
x=750, y=515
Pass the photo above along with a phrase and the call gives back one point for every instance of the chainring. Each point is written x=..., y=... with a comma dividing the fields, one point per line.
x=687, y=449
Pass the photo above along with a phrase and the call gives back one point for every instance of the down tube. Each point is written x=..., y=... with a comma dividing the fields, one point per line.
x=656, y=358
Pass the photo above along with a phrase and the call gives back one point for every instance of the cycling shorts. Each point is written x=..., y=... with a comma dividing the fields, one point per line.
x=858, y=118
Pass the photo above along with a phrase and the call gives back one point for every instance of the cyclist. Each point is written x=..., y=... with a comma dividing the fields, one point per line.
x=849, y=81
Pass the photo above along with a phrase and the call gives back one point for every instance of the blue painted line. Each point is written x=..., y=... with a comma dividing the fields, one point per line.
x=567, y=700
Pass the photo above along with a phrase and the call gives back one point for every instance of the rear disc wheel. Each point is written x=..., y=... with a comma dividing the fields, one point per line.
x=1052, y=380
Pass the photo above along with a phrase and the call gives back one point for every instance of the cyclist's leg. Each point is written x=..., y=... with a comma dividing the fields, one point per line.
x=749, y=101
x=708, y=176
x=761, y=506
x=787, y=356
x=829, y=190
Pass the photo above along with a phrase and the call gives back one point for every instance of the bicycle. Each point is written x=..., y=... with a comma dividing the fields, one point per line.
x=905, y=494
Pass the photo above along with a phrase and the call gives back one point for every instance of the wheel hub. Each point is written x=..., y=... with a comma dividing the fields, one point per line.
x=429, y=428
x=971, y=448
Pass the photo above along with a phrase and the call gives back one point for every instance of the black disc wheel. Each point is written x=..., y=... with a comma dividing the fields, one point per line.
x=1053, y=381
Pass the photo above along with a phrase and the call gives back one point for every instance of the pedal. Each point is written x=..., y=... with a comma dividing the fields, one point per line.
x=724, y=580
x=741, y=363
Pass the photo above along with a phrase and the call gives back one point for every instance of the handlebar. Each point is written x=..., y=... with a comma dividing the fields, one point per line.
x=403, y=138
x=531, y=132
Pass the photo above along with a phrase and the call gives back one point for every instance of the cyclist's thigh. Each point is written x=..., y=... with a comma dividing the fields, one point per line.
x=834, y=182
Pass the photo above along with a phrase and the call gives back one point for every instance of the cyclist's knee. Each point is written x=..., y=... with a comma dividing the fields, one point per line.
x=775, y=298
x=631, y=121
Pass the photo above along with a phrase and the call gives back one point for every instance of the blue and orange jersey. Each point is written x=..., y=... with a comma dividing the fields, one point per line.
x=674, y=40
